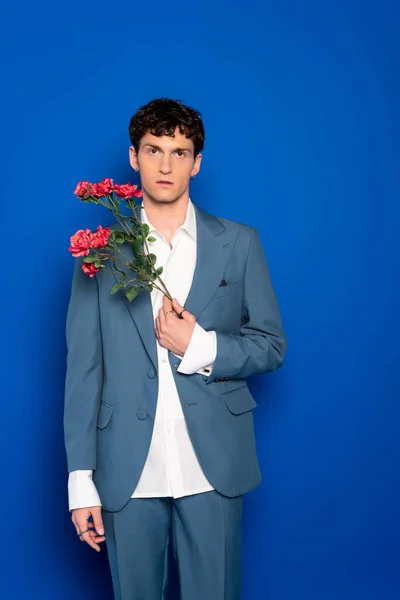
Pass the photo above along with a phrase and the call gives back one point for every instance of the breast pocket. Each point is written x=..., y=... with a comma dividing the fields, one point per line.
x=226, y=290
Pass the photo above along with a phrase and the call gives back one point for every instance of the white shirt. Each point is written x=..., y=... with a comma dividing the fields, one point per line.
x=171, y=467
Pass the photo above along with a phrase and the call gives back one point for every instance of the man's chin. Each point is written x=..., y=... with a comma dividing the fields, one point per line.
x=162, y=196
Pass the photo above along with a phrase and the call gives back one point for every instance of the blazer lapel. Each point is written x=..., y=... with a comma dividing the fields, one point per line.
x=214, y=244
x=140, y=309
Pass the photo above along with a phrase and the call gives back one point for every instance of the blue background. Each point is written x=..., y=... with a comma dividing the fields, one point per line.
x=301, y=108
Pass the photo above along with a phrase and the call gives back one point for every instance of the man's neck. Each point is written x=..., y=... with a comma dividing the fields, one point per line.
x=166, y=217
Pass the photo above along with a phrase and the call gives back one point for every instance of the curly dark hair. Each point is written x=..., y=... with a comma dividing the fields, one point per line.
x=161, y=117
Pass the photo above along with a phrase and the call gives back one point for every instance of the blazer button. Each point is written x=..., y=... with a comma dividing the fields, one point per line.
x=151, y=373
x=141, y=414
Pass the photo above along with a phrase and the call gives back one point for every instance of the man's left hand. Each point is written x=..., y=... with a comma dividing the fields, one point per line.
x=172, y=332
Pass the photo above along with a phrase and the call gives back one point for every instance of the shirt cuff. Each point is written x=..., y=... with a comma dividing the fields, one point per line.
x=82, y=491
x=200, y=353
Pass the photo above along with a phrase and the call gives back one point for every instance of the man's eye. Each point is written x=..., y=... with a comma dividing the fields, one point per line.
x=151, y=150
x=180, y=153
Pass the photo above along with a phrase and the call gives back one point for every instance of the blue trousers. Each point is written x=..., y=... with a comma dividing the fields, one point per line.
x=205, y=531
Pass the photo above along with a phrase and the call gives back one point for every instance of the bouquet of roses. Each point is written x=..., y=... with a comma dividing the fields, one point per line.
x=104, y=246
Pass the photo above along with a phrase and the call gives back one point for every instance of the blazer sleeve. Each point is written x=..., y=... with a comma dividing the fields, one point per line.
x=84, y=374
x=261, y=345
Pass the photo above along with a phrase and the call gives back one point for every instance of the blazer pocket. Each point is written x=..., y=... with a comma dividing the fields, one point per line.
x=104, y=416
x=237, y=396
x=226, y=290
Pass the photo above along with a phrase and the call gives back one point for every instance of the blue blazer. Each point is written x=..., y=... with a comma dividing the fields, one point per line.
x=112, y=381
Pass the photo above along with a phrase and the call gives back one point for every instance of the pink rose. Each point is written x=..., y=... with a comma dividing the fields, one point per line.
x=82, y=190
x=100, y=238
x=103, y=188
x=81, y=242
x=127, y=190
x=90, y=269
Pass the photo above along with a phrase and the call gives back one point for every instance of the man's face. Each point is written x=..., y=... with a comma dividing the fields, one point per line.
x=165, y=158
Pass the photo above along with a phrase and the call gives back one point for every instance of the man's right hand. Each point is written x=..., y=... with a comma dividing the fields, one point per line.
x=95, y=535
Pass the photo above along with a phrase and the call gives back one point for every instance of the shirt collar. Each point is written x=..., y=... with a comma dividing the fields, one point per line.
x=189, y=225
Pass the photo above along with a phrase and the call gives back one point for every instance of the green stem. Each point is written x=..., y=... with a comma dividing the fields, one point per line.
x=155, y=271
x=131, y=206
x=117, y=213
x=112, y=257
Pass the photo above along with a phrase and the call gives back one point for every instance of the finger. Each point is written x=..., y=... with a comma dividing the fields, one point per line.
x=167, y=304
x=81, y=523
x=161, y=319
x=84, y=524
x=76, y=521
x=157, y=324
x=86, y=537
x=77, y=528
x=162, y=327
x=176, y=305
x=185, y=314
x=97, y=520
x=97, y=538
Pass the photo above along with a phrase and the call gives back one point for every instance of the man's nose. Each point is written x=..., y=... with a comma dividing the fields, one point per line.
x=165, y=166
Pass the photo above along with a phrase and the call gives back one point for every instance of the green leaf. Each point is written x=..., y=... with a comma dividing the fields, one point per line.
x=137, y=245
x=141, y=260
x=97, y=263
x=120, y=237
x=148, y=288
x=145, y=229
x=116, y=287
x=143, y=276
x=89, y=259
x=153, y=258
x=132, y=292
x=159, y=270
x=151, y=239
x=147, y=268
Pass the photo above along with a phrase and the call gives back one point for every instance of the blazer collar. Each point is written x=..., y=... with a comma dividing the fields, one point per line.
x=189, y=225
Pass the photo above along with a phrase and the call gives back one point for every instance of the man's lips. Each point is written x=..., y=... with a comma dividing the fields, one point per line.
x=164, y=182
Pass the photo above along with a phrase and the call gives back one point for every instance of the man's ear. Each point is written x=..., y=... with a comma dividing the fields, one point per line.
x=196, y=165
x=133, y=159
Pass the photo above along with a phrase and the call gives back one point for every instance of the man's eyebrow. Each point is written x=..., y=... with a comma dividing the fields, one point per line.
x=174, y=149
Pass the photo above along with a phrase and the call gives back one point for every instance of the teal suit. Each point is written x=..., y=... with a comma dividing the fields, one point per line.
x=111, y=382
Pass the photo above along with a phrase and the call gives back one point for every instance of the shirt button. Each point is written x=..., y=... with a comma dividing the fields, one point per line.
x=163, y=360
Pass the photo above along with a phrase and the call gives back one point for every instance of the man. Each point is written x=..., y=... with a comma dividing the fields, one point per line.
x=158, y=416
